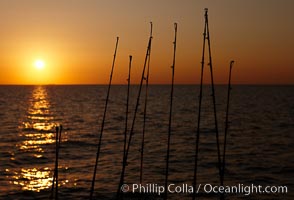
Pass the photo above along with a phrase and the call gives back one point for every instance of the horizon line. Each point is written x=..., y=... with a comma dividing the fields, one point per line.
x=134, y=84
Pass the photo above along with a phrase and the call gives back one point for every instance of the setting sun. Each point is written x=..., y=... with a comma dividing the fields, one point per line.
x=39, y=64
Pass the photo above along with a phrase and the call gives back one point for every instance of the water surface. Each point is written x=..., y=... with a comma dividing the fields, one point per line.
x=260, y=142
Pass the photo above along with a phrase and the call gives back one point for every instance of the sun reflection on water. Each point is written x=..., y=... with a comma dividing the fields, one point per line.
x=38, y=131
x=34, y=179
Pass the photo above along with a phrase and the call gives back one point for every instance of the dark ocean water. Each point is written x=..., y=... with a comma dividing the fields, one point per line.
x=260, y=147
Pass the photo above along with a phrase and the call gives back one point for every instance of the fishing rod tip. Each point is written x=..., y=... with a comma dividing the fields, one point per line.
x=206, y=11
x=151, y=28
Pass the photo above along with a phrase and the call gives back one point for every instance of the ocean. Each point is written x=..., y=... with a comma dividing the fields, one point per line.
x=260, y=142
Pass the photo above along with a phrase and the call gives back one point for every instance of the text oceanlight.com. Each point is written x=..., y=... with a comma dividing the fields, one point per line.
x=152, y=188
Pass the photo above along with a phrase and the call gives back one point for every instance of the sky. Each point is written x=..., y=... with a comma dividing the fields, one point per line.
x=76, y=40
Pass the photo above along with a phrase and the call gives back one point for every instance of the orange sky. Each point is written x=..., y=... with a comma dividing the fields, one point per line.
x=76, y=39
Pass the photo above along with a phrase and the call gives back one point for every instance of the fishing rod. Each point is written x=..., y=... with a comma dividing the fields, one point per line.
x=55, y=175
x=127, y=107
x=103, y=121
x=170, y=111
x=145, y=110
x=199, y=114
x=127, y=110
x=134, y=119
x=213, y=94
x=226, y=124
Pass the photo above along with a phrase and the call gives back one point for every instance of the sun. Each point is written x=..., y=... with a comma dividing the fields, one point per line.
x=39, y=64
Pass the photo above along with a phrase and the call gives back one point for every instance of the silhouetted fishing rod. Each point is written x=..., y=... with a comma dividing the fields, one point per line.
x=103, y=121
x=55, y=175
x=127, y=107
x=145, y=110
x=199, y=115
x=226, y=124
x=127, y=111
x=134, y=119
x=213, y=95
x=170, y=112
